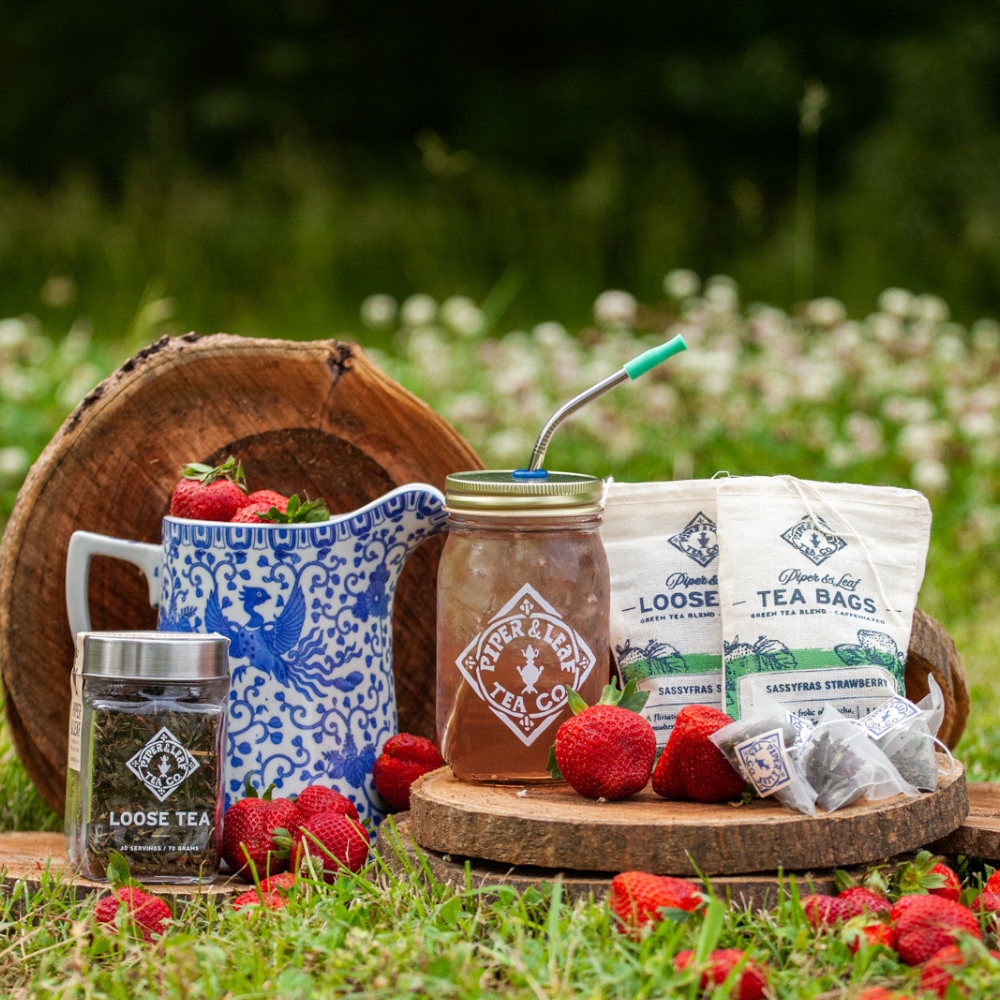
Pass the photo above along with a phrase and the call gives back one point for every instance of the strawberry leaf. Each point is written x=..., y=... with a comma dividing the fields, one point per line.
x=633, y=699
x=674, y=915
x=118, y=873
x=266, y=797
x=552, y=766
x=842, y=880
x=297, y=512
x=249, y=790
x=576, y=702
x=207, y=474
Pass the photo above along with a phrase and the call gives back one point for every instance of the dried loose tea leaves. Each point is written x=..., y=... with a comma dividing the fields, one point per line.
x=162, y=812
x=832, y=768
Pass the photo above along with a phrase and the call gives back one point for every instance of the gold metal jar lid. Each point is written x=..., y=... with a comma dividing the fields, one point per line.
x=522, y=493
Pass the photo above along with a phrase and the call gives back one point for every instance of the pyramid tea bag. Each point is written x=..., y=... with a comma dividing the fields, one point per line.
x=817, y=586
x=666, y=627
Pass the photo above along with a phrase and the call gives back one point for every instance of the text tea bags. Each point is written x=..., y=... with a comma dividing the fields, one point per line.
x=843, y=764
x=906, y=733
x=818, y=582
x=666, y=629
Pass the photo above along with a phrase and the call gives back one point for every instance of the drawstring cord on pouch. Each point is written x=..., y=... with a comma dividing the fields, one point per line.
x=797, y=485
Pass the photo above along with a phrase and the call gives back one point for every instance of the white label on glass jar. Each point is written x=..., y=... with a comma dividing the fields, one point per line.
x=75, y=720
x=523, y=663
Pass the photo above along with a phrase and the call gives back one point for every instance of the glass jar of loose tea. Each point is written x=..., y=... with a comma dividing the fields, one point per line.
x=144, y=775
x=523, y=592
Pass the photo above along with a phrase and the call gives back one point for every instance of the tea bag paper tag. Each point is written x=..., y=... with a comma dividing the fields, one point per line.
x=764, y=760
x=75, y=720
x=803, y=728
x=888, y=716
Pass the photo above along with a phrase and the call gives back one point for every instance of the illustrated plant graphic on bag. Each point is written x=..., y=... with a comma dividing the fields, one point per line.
x=875, y=648
x=770, y=654
x=651, y=660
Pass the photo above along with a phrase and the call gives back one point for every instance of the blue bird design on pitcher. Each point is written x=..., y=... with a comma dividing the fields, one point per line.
x=264, y=644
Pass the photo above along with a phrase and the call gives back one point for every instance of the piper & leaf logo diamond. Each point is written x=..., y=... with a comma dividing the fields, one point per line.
x=163, y=764
x=698, y=540
x=524, y=661
x=814, y=538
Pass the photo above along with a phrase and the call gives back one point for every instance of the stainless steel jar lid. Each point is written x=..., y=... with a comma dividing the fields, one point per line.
x=152, y=656
x=519, y=492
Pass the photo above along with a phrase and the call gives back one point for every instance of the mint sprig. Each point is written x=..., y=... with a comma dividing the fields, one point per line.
x=208, y=474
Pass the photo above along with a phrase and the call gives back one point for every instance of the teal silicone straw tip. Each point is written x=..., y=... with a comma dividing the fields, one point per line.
x=655, y=356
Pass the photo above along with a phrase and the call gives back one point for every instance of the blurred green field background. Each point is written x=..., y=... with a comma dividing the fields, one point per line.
x=268, y=169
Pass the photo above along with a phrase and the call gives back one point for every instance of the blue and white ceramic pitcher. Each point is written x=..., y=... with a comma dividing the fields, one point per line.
x=308, y=612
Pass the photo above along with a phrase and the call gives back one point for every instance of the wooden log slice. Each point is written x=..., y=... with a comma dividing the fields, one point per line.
x=406, y=859
x=932, y=651
x=979, y=834
x=554, y=827
x=314, y=418
x=30, y=858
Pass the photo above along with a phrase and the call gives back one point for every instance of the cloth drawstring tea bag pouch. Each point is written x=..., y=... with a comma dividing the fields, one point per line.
x=817, y=582
x=907, y=734
x=666, y=628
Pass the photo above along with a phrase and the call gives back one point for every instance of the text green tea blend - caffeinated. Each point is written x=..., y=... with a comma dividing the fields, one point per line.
x=818, y=582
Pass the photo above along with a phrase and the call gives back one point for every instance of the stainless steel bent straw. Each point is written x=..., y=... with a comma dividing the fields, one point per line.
x=632, y=370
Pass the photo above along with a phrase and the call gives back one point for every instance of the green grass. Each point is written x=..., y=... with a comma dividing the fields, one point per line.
x=378, y=935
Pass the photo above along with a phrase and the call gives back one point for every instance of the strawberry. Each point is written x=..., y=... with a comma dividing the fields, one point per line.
x=319, y=798
x=691, y=766
x=146, y=912
x=269, y=497
x=858, y=900
x=250, y=514
x=205, y=493
x=929, y=924
x=935, y=977
x=605, y=751
x=265, y=900
x=336, y=841
x=749, y=985
x=902, y=905
x=993, y=883
x=823, y=911
x=285, y=880
x=987, y=901
x=404, y=759
x=880, y=993
x=637, y=898
x=249, y=828
x=874, y=933
x=925, y=874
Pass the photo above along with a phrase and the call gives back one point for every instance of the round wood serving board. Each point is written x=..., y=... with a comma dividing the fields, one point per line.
x=28, y=857
x=553, y=827
x=315, y=418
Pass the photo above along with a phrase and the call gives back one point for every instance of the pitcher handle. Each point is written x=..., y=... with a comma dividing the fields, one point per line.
x=83, y=545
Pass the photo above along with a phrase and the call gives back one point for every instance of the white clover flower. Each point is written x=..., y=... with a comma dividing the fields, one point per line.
x=885, y=326
x=14, y=461
x=13, y=333
x=986, y=336
x=509, y=447
x=468, y=407
x=930, y=475
x=896, y=302
x=839, y=454
x=949, y=349
x=978, y=424
x=826, y=312
x=615, y=309
x=418, y=310
x=462, y=315
x=866, y=434
x=681, y=283
x=81, y=380
x=922, y=441
x=929, y=309
x=904, y=410
x=550, y=334
x=378, y=312
x=722, y=293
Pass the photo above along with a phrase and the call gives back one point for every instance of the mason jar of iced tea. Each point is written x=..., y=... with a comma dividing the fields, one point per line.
x=523, y=592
